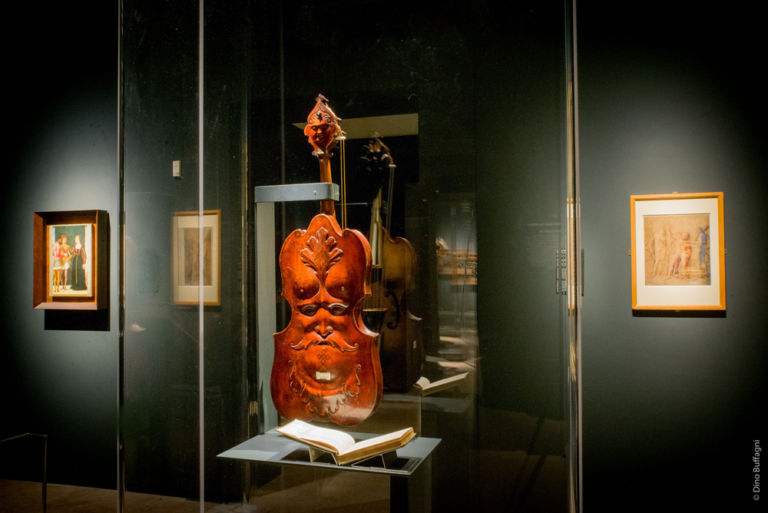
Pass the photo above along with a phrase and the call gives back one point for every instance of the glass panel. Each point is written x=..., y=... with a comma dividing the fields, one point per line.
x=159, y=394
x=227, y=183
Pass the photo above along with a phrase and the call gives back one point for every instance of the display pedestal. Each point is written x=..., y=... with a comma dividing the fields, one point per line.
x=409, y=470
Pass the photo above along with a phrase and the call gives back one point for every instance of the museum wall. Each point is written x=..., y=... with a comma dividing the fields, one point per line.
x=58, y=373
x=667, y=103
x=671, y=403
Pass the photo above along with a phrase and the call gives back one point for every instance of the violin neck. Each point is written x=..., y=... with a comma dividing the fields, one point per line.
x=326, y=206
x=374, y=233
x=390, y=198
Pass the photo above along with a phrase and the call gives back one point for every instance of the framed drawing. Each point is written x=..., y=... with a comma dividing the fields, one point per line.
x=186, y=257
x=678, y=251
x=70, y=257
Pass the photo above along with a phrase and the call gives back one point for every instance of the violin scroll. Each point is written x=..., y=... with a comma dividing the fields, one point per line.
x=322, y=127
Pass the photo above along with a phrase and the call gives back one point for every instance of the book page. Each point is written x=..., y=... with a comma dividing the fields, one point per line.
x=336, y=440
x=377, y=440
x=428, y=388
x=445, y=381
x=422, y=382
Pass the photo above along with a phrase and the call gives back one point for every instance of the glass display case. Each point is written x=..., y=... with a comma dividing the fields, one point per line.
x=458, y=146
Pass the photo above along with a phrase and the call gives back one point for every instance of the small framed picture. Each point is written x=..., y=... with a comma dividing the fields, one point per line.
x=71, y=260
x=678, y=251
x=186, y=257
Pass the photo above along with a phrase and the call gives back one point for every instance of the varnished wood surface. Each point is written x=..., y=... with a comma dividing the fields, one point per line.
x=326, y=365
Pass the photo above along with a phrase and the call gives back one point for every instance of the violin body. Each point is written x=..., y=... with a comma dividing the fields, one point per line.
x=326, y=365
x=402, y=350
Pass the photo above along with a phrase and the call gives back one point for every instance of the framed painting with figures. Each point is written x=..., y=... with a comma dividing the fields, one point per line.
x=678, y=251
x=188, y=275
x=70, y=260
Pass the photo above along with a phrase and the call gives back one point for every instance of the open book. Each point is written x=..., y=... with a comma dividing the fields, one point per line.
x=342, y=446
x=428, y=387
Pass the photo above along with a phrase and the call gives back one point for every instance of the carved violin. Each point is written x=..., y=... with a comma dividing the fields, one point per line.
x=394, y=264
x=326, y=365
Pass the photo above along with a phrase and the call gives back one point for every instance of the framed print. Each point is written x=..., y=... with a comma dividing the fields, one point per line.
x=71, y=260
x=678, y=251
x=186, y=257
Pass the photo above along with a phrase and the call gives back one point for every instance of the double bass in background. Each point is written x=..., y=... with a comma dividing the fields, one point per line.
x=326, y=365
x=394, y=265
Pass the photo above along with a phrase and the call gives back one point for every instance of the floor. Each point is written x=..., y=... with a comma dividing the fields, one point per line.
x=290, y=493
x=26, y=497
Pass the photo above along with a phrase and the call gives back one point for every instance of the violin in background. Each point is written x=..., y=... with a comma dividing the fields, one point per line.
x=394, y=263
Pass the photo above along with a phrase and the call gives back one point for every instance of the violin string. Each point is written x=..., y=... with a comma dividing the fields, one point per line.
x=343, y=181
x=382, y=241
x=380, y=248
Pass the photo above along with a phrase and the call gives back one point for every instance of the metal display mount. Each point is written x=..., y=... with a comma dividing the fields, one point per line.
x=264, y=198
x=316, y=191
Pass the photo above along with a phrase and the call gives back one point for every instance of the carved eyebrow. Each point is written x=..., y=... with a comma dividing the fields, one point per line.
x=309, y=310
x=336, y=308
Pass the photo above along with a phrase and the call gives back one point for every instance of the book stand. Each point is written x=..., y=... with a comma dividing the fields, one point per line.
x=386, y=460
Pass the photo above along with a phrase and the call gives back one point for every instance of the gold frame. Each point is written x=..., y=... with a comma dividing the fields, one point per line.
x=705, y=297
x=188, y=294
x=43, y=298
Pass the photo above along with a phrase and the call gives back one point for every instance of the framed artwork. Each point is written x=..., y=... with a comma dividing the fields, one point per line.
x=71, y=260
x=459, y=264
x=186, y=257
x=678, y=251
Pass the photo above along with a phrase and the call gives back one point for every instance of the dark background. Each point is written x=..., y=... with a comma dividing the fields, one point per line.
x=670, y=100
x=59, y=81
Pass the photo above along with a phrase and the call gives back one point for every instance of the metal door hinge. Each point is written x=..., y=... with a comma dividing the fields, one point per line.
x=561, y=271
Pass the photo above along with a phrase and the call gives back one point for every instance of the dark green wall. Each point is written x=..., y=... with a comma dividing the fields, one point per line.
x=59, y=154
x=669, y=102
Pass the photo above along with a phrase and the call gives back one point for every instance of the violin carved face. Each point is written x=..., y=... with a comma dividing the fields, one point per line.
x=322, y=126
x=323, y=292
x=328, y=369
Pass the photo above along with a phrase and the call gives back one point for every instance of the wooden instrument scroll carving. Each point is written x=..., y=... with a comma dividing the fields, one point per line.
x=326, y=365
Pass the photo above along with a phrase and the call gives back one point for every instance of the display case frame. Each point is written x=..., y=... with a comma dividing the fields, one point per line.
x=497, y=193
